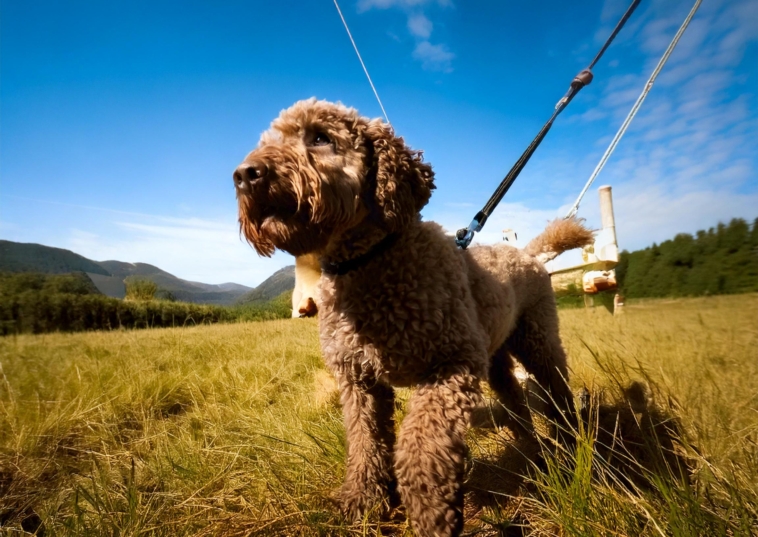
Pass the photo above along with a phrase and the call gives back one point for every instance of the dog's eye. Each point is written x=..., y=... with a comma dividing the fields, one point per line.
x=321, y=139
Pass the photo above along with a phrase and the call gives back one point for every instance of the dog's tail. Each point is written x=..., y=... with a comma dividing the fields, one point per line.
x=559, y=236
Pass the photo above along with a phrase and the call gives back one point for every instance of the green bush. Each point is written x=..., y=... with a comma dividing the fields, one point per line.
x=140, y=289
x=39, y=303
x=39, y=312
x=277, y=308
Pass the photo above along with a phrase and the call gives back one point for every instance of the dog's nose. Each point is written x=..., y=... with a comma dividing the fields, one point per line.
x=249, y=172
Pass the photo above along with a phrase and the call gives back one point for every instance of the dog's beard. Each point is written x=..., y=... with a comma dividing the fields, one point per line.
x=296, y=237
x=281, y=223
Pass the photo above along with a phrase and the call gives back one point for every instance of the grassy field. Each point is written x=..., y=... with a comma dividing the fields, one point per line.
x=233, y=430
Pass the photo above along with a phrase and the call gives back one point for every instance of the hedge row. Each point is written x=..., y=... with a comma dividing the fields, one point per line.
x=38, y=312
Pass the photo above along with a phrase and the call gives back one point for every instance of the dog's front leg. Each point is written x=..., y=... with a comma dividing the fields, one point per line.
x=431, y=450
x=369, y=480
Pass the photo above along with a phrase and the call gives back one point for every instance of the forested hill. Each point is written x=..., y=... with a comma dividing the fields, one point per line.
x=280, y=281
x=722, y=260
x=29, y=257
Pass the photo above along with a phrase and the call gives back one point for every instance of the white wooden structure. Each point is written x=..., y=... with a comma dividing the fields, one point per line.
x=597, y=271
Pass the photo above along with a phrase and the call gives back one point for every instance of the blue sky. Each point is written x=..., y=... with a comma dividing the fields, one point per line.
x=121, y=122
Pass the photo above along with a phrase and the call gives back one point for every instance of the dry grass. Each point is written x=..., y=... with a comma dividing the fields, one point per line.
x=230, y=430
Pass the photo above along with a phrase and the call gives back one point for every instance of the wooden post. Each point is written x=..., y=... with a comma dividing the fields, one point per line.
x=596, y=275
x=606, y=215
x=618, y=304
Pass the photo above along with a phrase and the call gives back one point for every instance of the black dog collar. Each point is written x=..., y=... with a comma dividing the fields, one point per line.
x=343, y=267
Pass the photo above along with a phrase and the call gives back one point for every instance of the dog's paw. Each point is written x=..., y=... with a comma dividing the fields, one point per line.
x=372, y=501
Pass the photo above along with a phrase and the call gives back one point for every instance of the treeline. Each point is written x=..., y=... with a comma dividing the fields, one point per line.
x=39, y=303
x=722, y=260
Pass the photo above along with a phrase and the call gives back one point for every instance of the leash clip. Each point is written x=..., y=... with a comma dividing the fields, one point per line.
x=464, y=236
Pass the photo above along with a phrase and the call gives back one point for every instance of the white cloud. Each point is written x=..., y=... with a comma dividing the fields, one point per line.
x=419, y=26
x=656, y=215
x=434, y=57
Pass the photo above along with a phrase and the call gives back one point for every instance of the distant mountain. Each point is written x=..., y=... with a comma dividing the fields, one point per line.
x=186, y=291
x=280, y=281
x=109, y=276
x=29, y=257
x=232, y=287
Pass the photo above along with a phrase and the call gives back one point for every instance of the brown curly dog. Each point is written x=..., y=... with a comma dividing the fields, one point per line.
x=400, y=304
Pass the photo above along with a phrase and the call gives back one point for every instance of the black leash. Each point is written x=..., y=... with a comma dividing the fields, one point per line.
x=464, y=236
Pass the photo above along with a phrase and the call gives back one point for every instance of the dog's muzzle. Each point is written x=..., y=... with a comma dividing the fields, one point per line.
x=248, y=174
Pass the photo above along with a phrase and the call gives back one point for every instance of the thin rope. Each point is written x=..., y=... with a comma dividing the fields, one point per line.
x=361, y=60
x=634, y=110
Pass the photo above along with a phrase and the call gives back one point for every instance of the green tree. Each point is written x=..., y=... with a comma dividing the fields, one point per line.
x=723, y=259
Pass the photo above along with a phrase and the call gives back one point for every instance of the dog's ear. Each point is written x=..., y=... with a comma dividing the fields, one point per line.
x=404, y=182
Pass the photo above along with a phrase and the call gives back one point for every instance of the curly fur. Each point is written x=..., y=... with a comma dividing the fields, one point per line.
x=328, y=182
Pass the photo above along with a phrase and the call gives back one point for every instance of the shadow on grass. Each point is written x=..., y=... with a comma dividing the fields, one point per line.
x=630, y=446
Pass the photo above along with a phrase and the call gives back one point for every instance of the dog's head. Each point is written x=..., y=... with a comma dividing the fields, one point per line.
x=321, y=170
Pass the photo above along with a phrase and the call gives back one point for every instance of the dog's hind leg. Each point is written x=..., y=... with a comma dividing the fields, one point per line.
x=512, y=410
x=431, y=450
x=370, y=429
x=536, y=344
